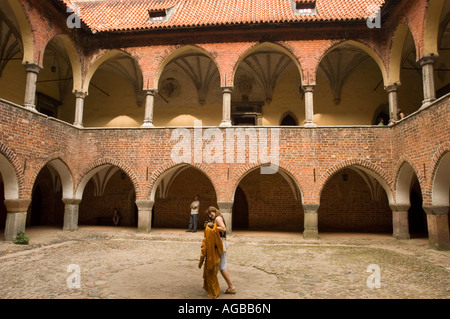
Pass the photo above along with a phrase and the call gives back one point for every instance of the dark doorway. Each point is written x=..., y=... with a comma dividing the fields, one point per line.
x=36, y=207
x=417, y=217
x=240, y=210
x=288, y=120
x=3, y=212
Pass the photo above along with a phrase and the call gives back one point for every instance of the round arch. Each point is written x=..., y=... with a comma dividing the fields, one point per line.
x=405, y=176
x=431, y=28
x=25, y=31
x=99, y=166
x=374, y=55
x=395, y=61
x=167, y=176
x=290, y=179
x=366, y=167
x=267, y=201
x=9, y=177
x=102, y=58
x=274, y=46
x=180, y=52
x=440, y=181
x=74, y=58
x=353, y=200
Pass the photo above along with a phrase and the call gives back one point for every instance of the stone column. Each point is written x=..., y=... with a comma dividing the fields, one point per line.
x=144, y=215
x=392, y=91
x=226, y=209
x=30, y=89
x=71, y=208
x=429, y=91
x=400, y=223
x=226, y=107
x=438, y=230
x=309, y=106
x=149, y=104
x=16, y=217
x=311, y=230
x=79, y=106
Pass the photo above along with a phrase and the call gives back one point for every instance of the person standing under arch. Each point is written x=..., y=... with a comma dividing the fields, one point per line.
x=194, y=214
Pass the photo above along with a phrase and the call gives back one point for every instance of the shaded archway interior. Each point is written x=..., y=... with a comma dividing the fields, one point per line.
x=108, y=188
x=353, y=201
x=267, y=202
x=174, y=194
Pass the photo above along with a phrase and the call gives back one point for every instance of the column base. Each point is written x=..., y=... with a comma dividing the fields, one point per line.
x=426, y=103
x=310, y=234
x=400, y=222
x=225, y=124
x=31, y=107
x=226, y=209
x=144, y=215
x=16, y=217
x=147, y=124
x=79, y=125
x=71, y=209
x=438, y=229
x=310, y=124
x=311, y=230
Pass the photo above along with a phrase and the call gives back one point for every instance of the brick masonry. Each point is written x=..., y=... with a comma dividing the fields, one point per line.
x=310, y=157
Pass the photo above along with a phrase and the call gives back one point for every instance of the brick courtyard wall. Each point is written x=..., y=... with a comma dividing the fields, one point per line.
x=310, y=156
x=421, y=140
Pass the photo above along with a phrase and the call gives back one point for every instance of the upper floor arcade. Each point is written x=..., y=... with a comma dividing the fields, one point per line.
x=297, y=73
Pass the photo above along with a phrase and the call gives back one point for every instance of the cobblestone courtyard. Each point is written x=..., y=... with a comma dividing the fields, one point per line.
x=120, y=263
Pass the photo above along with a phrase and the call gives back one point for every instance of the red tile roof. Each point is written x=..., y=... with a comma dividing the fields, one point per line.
x=128, y=15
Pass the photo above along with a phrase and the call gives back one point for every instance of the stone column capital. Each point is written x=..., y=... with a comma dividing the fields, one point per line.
x=32, y=67
x=80, y=95
x=145, y=204
x=427, y=59
x=17, y=205
x=309, y=88
x=71, y=201
x=310, y=208
x=227, y=89
x=392, y=88
x=400, y=207
x=225, y=205
x=150, y=92
x=436, y=210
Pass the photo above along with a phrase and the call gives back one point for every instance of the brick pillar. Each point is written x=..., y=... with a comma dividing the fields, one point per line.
x=309, y=106
x=226, y=107
x=311, y=230
x=438, y=230
x=79, y=106
x=429, y=91
x=71, y=208
x=144, y=215
x=226, y=209
x=149, y=105
x=392, y=91
x=400, y=223
x=30, y=88
x=16, y=217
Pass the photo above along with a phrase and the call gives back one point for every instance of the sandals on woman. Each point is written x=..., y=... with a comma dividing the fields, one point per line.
x=230, y=291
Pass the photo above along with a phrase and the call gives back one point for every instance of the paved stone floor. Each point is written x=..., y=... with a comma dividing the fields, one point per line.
x=120, y=263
